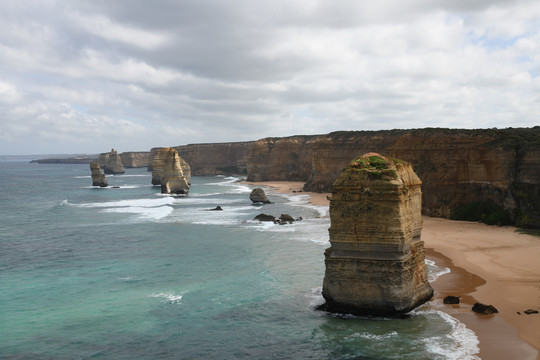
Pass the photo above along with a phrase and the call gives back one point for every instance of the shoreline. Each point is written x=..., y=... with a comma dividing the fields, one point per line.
x=488, y=264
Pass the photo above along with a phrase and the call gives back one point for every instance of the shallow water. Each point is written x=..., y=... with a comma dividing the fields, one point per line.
x=129, y=273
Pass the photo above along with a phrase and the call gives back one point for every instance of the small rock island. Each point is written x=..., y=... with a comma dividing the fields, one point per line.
x=111, y=162
x=98, y=178
x=159, y=161
x=376, y=262
x=173, y=180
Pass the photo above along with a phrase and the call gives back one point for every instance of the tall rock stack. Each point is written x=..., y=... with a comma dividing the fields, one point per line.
x=158, y=159
x=98, y=179
x=111, y=162
x=376, y=263
x=173, y=180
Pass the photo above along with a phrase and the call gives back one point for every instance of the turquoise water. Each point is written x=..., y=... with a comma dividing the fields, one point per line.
x=129, y=273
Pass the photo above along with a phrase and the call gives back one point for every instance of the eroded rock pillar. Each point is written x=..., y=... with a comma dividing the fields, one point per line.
x=376, y=262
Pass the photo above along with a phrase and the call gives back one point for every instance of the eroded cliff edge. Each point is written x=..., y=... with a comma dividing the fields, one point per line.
x=491, y=174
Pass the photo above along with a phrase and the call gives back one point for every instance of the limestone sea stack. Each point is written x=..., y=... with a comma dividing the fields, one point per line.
x=111, y=162
x=157, y=166
x=173, y=180
x=98, y=179
x=376, y=262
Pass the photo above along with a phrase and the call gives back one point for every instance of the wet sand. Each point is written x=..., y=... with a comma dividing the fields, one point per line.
x=489, y=264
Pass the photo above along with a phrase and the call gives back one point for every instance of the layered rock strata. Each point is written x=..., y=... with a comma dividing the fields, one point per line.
x=98, y=178
x=111, y=162
x=159, y=156
x=135, y=159
x=376, y=262
x=173, y=180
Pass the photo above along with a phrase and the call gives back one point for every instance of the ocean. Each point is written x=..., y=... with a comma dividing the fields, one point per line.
x=129, y=273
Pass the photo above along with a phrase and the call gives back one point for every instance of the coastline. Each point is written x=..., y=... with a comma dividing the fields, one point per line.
x=488, y=264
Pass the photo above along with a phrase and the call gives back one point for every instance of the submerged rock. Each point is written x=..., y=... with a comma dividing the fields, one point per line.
x=111, y=162
x=98, y=179
x=258, y=196
x=217, y=208
x=173, y=180
x=530, y=311
x=376, y=263
x=484, y=309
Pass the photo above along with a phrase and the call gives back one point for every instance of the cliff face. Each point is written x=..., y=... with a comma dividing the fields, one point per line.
x=134, y=159
x=217, y=159
x=376, y=262
x=281, y=159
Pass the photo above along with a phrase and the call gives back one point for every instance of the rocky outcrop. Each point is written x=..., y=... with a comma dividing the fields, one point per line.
x=135, y=159
x=257, y=195
x=98, y=179
x=111, y=162
x=376, y=262
x=173, y=180
x=159, y=156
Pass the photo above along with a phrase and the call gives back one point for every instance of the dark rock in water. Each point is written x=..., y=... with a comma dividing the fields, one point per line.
x=258, y=196
x=217, y=208
x=265, y=217
x=286, y=217
x=451, y=299
x=115, y=187
x=484, y=309
x=530, y=311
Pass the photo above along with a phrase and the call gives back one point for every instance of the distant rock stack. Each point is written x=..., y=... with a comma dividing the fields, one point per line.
x=98, y=179
x=111, y=162
x=173, y=180
x=376, y=263
x=157, y=166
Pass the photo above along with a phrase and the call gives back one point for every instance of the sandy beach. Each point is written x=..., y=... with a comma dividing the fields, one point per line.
x=488, y=264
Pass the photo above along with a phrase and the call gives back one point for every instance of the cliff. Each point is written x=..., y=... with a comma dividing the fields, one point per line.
x=376, y=263
x=217, y=159
x=135, y=159
x=281, y=159
x=488, y=174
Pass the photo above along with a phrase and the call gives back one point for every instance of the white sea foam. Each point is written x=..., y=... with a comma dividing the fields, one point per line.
x=460, y=344
x=370, y=336
x=435, y=271
x=171, y=298
x=160, y=201
x=83, y=177
x=155, y=213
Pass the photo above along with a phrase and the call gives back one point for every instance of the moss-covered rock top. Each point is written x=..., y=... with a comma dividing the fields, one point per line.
x=375, y=166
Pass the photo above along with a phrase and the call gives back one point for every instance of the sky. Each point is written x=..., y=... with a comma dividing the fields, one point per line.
x=88, y=76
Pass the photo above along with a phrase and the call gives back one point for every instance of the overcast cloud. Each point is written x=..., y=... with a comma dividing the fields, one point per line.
x=86, y=76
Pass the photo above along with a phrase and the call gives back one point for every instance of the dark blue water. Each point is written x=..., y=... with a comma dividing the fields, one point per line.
x=129, y=273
